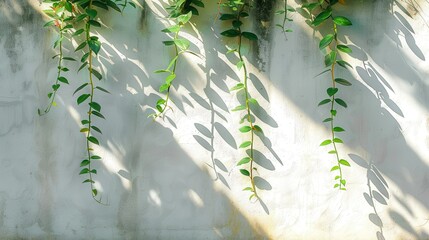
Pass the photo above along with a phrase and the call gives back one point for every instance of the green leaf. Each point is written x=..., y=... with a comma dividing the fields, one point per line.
x=88, y=181
x=237, y=87
x=69, y=59
x=252, y=196
x=94, y=192
x=82, y=45
x=102, y=89
x=164, y=87
x=245, y=129
x=170, y=78
x=343, y=181
x=334, y=168
x=338, y=140
x=244, y=172
x=244, y=161
x=258, y=128
x=93, y=140
x=50, y=23
x=95, y=46
x=172, y=29
x=328, y=119
x=330, y=58
x=325, y=101
x=230, y=33
x=253, y=101
x=332, y=152
x=84, y=163
x=94, y=23
x=334, y=113
x=84, y=171
x=331, y=91
x=78, y=32
x=344, y=64
x=168, y=43
x=96, y=129
x=84, y=130
x=92, y=13
x=238, y=108
x=344, y=48
x=162, y=71
x=95, y=157
x=84, y=122
x=344, y=162
x=237, y=23
x=63, y=80
x=326, y=41
x=113, y=5
x=342, y=21
x=239, y=65
x=336, y=185
x=338, y=129
x=96, y=74
x=245, y=144
x=160, y=101
x=337, y=177
x=250, y=36
x=82, y=98
x=341, y=102
x=82, y=66
x=98, y=114
x=95, y=106
x=227, y=16
x=326, y=142
x=248, y=189
x=182, y=43
x=342, y=82
x=184, y=18
x=321, y=17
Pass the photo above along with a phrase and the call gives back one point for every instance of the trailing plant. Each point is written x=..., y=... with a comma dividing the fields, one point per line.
x=61, y=19
x=286, y=9
x=80, y=16
x=181, y=12
x=239, y=10
x=332, y=46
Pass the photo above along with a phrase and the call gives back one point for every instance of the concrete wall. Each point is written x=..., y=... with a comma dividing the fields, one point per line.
x=175, y=178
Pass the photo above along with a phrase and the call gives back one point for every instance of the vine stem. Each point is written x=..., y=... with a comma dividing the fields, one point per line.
x=48, y=108
x=91, y=84
x=177, y=53
x=333, y=109
x=249, y=118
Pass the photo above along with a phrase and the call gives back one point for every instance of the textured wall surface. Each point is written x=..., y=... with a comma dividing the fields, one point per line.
x=175, y=178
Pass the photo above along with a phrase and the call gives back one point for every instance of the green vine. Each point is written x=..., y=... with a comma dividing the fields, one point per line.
x=60, y=13
x=286, y=9
x=330, y=43
x=79, y=11
x=181, y=11
x=238, y=9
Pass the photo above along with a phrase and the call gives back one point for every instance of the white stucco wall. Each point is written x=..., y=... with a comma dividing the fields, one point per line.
x=175, y=178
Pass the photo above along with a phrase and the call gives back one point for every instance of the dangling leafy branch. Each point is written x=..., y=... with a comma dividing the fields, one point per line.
x=287, y=9
x=181, y=12
x=239, y=11
x=331, y=44
x=60, y=13
x=66, y=15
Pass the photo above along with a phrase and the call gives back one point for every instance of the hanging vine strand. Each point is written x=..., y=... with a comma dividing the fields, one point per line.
x=60, y=13
x=331, y=44
x=238, y=9
x=68, y=15
x=181, y=12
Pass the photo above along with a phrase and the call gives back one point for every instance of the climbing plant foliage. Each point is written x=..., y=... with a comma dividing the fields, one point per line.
x=332, y=48
x=79, y=20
